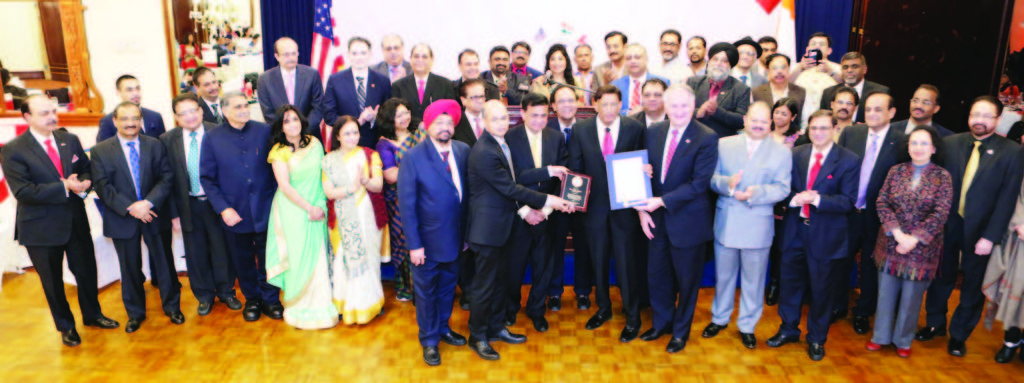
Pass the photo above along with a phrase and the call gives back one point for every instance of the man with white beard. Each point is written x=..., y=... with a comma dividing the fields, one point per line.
x=722, y=99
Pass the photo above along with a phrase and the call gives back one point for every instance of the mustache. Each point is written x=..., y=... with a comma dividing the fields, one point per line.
x=918, y=110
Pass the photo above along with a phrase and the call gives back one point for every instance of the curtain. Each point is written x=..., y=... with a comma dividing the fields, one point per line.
x=831, y=16
x=287, y=18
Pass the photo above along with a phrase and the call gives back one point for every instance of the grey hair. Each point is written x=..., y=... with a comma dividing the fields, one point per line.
x=226, y=97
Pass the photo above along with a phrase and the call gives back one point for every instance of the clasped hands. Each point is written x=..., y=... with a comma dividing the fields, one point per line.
x=142, y=211
x=904, y=242
x=73, y=185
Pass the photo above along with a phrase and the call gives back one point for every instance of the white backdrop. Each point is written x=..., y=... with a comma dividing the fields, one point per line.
x=450, y=26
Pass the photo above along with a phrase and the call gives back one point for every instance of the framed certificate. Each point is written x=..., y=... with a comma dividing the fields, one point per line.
x=576, y=189
x=628, y=184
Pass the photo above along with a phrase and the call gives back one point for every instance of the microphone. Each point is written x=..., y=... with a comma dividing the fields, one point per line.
x=548, y=77
x=553, y=82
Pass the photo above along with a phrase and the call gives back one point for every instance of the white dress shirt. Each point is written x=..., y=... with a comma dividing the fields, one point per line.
x=652, y=120
x=187, y=137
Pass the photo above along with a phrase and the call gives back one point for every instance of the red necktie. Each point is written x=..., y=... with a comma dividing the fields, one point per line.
x=607, y=147
x=447, y=166
x=52, y=152
x=672, y=143
x=810, y=182
x=634, y=99
x=715, y=88
x=421, y=86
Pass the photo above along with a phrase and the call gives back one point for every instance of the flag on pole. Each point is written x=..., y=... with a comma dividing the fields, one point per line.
x=326, y=58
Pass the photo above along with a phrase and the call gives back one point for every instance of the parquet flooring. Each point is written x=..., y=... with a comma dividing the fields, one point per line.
x=222, y=347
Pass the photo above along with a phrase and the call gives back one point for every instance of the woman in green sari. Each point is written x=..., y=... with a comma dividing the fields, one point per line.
x=297, y=252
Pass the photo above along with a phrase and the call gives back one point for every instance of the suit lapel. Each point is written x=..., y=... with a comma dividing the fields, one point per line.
x=727, y=86
x=549, y=143
x=122, y=161
x=435, y=161
x=828, y=164
x=178, y=146
x=65, y=155
x=145, y=174
x=300, y=80
x=38, y=150
x=681, y=147
x=803, y=159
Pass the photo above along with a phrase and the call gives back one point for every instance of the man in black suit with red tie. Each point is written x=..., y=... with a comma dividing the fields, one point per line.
x=49, y=175
x=611, y=234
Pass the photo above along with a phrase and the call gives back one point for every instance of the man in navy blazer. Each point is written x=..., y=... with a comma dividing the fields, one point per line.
x=291, y=83
x=923, y=107
x=677, y=219
x=824, y=190
x=631, y=85
x=133, y=178
x=722, y=100
x=344, y=88
x=432, y=191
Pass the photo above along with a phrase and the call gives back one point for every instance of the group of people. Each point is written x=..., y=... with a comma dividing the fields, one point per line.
x=427, y=174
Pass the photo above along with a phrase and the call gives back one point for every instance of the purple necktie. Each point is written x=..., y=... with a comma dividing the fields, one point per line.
x=865, y=170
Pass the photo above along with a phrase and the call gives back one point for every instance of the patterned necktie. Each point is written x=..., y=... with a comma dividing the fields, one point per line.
x=810, y=182
x=447, y=166
x=216, y=112
x=192, y=164
x=672, y=143
x=361, y=93
x=508, y=157
x=51, y=151
x=420, y=88
x=289, y=87
x=607, y=147
x=133, y=164
x=866, y=166
x=634, y=99
x=972, y=167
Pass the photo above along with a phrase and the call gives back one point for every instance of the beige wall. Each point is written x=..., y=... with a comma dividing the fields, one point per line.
x=21, y=37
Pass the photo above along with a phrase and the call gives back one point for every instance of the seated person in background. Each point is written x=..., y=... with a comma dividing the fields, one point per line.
x=520, y=57
x=19, y=94
x=653, y=105
x=636, y=75
x=557, y=69
x=186, y=82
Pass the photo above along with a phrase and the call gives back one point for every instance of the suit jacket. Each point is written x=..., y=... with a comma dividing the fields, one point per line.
x=902, y=126
x=764, y=93
x=234, y=172
x=756, y=78
x=433, y=215
x=855, y=139
x=994, y=188
x=623, y=84
x=640, y=117
x=382, y=68
x=516, y=84
x=686, y=217
x=180, y=186
x=533, y=73
x=829, y=94
x=153, y=125
x=208, y=113
x=837, y=185
x=45, y=209
x=750, y=224
x=309, y=93
x=491, y=91
x=494, y=195
x=341, y=99
x=437, y=88
x=733, y=101
x=585, y=157
x=553, y=152
x=114, y=184
x=464, y=131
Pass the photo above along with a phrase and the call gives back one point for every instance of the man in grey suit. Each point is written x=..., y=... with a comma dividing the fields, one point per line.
x=722, y=99
x=290, y=83
x=753, y=174
x=750, y=51
x=394, y=65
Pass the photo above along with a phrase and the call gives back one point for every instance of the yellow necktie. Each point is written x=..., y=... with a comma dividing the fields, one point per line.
x=972, y=166
x=535, y=150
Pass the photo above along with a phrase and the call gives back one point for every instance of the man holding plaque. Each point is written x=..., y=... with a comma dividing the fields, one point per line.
x=677, y=219
x=609, y=233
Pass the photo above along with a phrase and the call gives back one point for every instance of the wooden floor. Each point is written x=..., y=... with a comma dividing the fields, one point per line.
x=222, y=347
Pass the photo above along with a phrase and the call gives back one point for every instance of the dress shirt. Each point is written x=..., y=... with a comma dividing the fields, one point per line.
x=810, y=166
x=614, y=131
x=651, y=120
x=128, y=159
x=187, y=137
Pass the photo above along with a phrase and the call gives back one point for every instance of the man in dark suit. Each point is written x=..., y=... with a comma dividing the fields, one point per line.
x=855, y=66
x=653, y=112
x=473, y=95
x=208, y=89
x=357, y=92
x=877, y=144
x=824, y=190
x=394, y=65
x=240, y=186
x=986, y=171
x=290, y=83
x=512, y=86
x=923, y=107
x=209, y=267
x=432, y=191
x=778, y=82
x=683, y=153
x=722, y=100
x=49, y=175
x=469, y=66
x=532, y=146
x=610, y=234
x=133, y=177
x=421, y=88
x=493, y=200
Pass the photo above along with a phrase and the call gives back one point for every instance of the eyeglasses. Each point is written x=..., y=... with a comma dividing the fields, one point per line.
x=188, y=112
x=748, y=53
x=667, y=44
x=845, y=103
x=476, y=98
x=922, y=102
x=984, y=116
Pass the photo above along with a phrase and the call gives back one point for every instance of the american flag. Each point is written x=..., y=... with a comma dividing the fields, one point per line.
x=326, y=46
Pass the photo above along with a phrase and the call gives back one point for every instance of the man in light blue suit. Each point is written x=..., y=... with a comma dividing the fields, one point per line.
x=632, y=83
x=752, y=175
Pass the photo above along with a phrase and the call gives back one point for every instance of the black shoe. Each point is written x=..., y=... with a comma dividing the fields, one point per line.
x=204, y=308
x=555, y=303
x=133, y=325
x=675, y=345
x=453, y=338
x=836, y=315
x=583, y=302
x=749, y=340
x=431, y=356
x=540, y=324
x=771, y=294
x=273, y=310
x=510, y=319
x=598, y=320
x=484, y=350
x=712, y=330
x=1005, y=354
x=779, y=340
x=70, y=338
x=652, y=334
x=956, y=347
x=251, y=313
x=929, y=333
x=464, y=303
x=103, y=323
x=629, y=333
x=176, y=317
x=861, y=324
x=508, y=337
x=232, y=302
x=816, y=351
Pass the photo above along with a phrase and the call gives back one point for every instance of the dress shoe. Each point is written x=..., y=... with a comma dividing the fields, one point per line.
x=453, y=338
x=836, y=315
x=956, y=347
x=204, y=308
x=431, y=356
x=508, y=337
x=771, y=294
x=554, y=303
x=816, y=351
x=540, y=324
x=929, y=333
x=510, y=319
x=749, y=340
x=629, y=333
x=1005, y=354
x=70, y=338
x=598, y=320
x=176, y=317
x=232, y=303
x=903, y=352
x=861, y=325
x=779, y=340
x=273, y=310
x=102, y=322
x=872, y=346
x=583, y=302
x=652, y=334
x=675, y=345
x=251, y=313
x=484, y=350
x=133, y=325
x=712, y=330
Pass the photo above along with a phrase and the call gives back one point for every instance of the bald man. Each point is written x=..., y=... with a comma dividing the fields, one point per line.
x=631, y=85
x=291, y=83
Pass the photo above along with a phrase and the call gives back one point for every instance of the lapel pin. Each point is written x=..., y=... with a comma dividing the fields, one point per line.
x=687, y=140
x=63, y=144
x=829, y=176
x=373, y=85
x=989, y=152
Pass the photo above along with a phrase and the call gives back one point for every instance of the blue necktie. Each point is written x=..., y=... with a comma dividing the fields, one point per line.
x=133, y=163
x=361, y=93
x=743, y=79
x=192, y=163
x=568, y=133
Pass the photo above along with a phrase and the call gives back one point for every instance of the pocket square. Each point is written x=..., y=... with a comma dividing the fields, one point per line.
x=74, y=158
x=989, y=152
x=829, y=176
